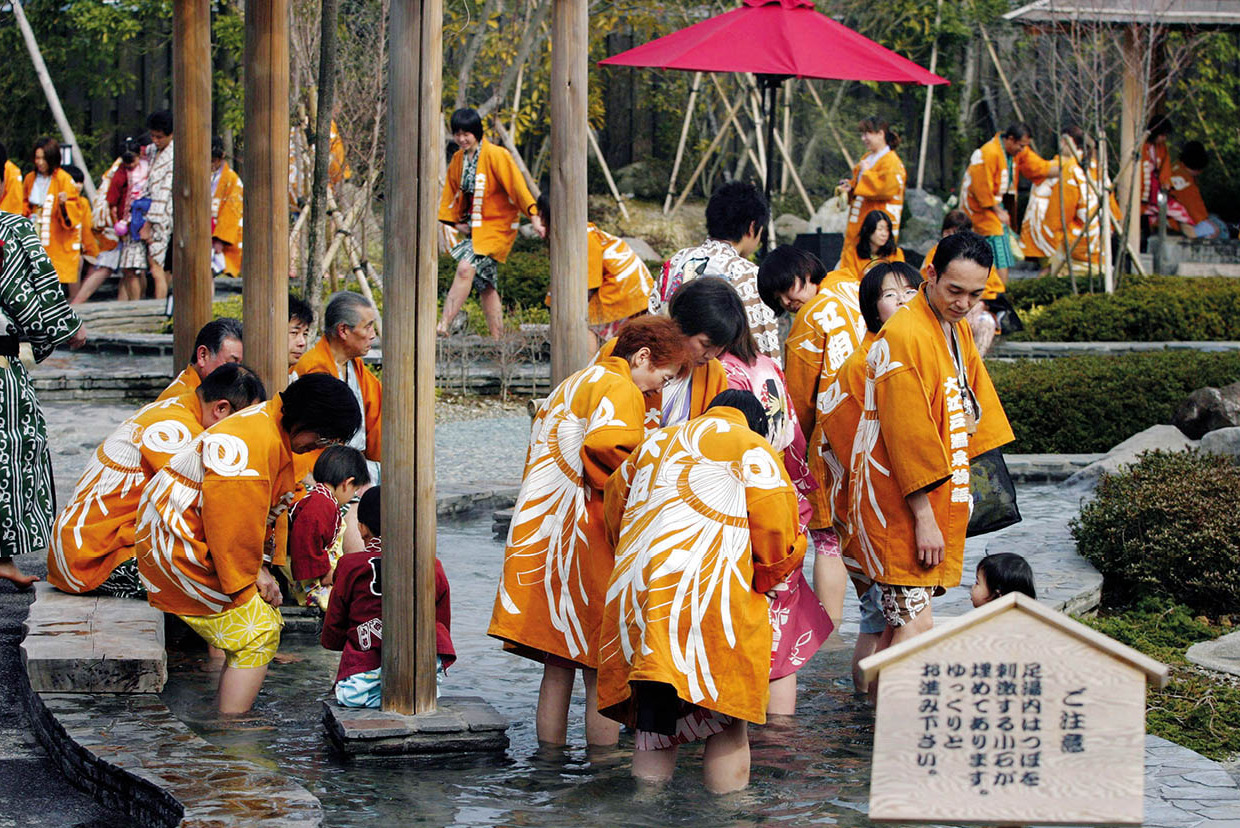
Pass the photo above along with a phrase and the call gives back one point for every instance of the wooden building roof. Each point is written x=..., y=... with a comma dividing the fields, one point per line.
x=1176, y=13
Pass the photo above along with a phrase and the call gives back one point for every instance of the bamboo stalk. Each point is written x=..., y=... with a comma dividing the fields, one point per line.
x=835, y=133
x=680, y=146
x=611, y=182
x=994, y=58
x=714, y=144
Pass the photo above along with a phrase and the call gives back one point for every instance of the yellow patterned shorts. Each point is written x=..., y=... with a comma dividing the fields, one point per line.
x=249, y=634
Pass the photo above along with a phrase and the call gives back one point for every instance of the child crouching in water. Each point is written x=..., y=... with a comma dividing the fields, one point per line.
x=316, y=528
x=999, y=574
x=354, y=622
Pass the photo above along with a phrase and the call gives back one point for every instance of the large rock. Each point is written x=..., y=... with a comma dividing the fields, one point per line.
x=789, y=226
x=1154, y=438
x=922, y=221
x=641, y=179
x=1208, y=409
x=831, y=217
x=1223, y=441
x=643, y=249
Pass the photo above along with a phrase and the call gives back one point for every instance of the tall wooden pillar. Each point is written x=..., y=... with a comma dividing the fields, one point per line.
x=1131, y=125
x=265, y=288
x=191, y=174
x=410, y=254
x=570, y=337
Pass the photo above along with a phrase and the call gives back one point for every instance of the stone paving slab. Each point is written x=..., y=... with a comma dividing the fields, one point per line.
x=460, y=724
x=1221, y=655
x=1005, y=349
x=132, y=754
x=1184, y=789
x=93, y=644
x=1048, y=468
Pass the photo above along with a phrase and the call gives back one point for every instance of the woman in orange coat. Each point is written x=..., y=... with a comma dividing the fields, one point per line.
x=877, y=183
x=51, y=202
x=550, y=600
x=876, y=243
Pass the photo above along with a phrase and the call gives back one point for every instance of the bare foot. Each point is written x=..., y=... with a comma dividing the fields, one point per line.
x=10, y=572
x=286, y=658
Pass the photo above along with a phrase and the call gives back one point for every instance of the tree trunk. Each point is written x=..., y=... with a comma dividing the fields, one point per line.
x=322, y=153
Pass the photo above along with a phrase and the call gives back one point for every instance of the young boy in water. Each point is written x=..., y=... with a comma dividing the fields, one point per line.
x=316, y=528
x=354, y=622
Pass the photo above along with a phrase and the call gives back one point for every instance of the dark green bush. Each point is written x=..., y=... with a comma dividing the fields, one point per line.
x=1089, y=403
x=523, y=278
x=1168, y=525
x=1145, y=309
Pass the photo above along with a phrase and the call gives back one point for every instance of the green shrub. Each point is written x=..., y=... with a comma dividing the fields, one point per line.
x=1089, y=403
x=1144, y=309
x=1169, y=525
x=523, y=278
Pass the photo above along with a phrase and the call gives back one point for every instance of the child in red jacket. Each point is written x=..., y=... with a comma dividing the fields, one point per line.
x=354, y=622
x=316, y=524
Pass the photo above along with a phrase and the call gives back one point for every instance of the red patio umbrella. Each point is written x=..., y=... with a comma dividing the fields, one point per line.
x=776, y=40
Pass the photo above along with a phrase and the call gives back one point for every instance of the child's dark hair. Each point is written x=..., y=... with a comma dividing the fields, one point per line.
x=75, y=173
x=128, y=157
x=161, y=120
x=746, y=403
x=467, y=120
x=780, y=271
x=234, y=382
x=734, y=209
x=368, y=511
x=338, y=463
x=217, y=148
x=543, y=205
x=1193, y=155
x=955, y=221
x=1006, y=572
x=868, y=226
x=872, y=288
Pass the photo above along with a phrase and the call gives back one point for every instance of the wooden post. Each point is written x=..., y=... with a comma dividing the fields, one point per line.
x=680, y=147
x=570, y=338
x=410, y=256
x=265, y=289
x=191, y=174
x=1131, y=125
x=925, y=114
x=1104, y=206
x=53, y=100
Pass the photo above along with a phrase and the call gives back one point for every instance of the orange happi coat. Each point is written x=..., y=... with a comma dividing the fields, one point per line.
x=500, y=195
x=877, y=184
x=835, y=426
x=60, y=226
x=619, y=278
x=990, y=175
x=88, y=240
x=207, y=519
x=185, y=382
x=825, y=332
x=226, y=223
x=1182, y=186
x=705, y=382
x=912, y=437
x=704, y=520
x=558, y=557
x=14, y=198
x=858, y=266
x=1069, y=202
x=99, y=218
x=319, y=360
x=94, y=532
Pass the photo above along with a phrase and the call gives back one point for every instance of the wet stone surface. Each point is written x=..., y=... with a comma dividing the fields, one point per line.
x=459, y=724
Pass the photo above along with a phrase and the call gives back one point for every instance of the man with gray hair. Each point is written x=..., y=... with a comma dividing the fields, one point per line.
x=348, y=331
x=218, y=343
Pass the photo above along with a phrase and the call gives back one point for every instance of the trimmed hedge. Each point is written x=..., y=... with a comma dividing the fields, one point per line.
x=1145, y=309
x=1078, y=404
x=1169, y=525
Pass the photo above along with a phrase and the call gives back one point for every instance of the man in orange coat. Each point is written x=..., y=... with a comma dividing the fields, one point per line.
x=348, y=332
x=51, y=202
x=704, y=522
x=205, y=536
x=218, y=343
x=226, y=224
x=482, y=197
x=92, y=540
x=994, y=171
x=930, y=408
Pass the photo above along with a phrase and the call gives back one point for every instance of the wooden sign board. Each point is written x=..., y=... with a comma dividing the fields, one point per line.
x=1016, y=714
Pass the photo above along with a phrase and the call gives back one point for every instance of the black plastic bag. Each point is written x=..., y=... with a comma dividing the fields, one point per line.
x=994, y=495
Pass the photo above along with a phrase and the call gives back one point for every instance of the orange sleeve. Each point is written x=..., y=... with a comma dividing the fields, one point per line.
x=70, y=214
x=27, y=184
x=979, y=181
x=228, y=220
x=1031, y=165
x=604, y=449
x=234, y=521
x=774, y=534
x=594, y=258
x=513, y=183
x=802, y=375
x=450, y=205
x=372, y=395
x=616, y=496
x=882, y=181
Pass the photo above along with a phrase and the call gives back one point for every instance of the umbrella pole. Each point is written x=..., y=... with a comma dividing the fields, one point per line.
x=771, y=87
